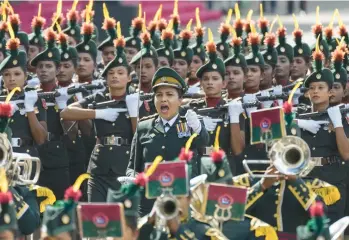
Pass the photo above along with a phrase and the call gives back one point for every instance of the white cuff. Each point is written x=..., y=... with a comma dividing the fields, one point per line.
x=61, y=105
x=198, y=129
x=29, y=108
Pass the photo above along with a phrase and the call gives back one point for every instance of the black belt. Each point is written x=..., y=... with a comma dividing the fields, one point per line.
x=114, y=141
x=53, y=137
x=330, y=160
x=21, y=142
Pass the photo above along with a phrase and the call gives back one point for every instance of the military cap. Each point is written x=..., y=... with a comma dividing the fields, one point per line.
x=331, y=41
x=16, y=57
x=214, y=64
x=73, y=28
x=263, y=26
x=166, y=76
x=300, y=49
x=155, y=37
x=67, y=52
x=134, y=40
x=130, y=199
x=166, y=51
x=3, y=30
x=237, y=59
x=184, y=52
x=109, y=25
x=255, y=57
x=343, y=34
x=222, y=46
x=317, y=30
x=22, y=36
x=339, y=73
x=147, y=51
x=87, y=45
x=270, y=55
x=216, y=167
x=198, y=47
x=95, y=33
x=120, y=57
x=51, y=53
x=284, y=48
x=176, y=25
x=320, y=74
x=8, y=219
x=36, y=38
x=61, y=217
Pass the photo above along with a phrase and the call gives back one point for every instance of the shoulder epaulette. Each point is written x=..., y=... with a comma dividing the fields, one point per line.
x=149, y=117
x=262, y=229
x=329, y=193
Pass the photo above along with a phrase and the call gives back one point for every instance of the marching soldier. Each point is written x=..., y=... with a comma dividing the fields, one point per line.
x=340, y=77
x=114, y=126
x=332, y=129
x=166, y=129
x=53, y=153
x=270, y=60
x=73, y=29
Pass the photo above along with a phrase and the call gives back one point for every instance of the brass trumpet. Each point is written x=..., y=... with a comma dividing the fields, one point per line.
x=290, y=156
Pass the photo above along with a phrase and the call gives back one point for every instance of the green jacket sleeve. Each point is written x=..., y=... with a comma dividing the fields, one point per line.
x=28, y=213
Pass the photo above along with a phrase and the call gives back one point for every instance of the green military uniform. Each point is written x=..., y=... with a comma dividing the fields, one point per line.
x=332, y=168
x=8, y=220
x=151, y=139
x=53, y=152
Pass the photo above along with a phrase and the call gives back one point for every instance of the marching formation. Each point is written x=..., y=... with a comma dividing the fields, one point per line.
x=244, y=138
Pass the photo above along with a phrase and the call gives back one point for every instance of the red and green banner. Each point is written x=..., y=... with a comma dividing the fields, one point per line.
x=225, y=202
x=170, y=177
x=267, y=124
x=101, y=220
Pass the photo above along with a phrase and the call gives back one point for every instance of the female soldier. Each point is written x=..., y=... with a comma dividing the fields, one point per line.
x=114, y=128
x=330, y=144
x=28, y=123
x=166, y=132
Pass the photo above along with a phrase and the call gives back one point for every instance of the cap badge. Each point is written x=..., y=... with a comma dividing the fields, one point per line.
x=318, y=76
x=221, y=173
x=300, y=51
x=128, y=203
x=198, y=50
x=221, y=47
x=338, y=76
x=167, y=52
x=65, y=219
x=36, y=40
x=183, y=53
x=15, y=62
x=72, y=31
x=87, y=47
x=214, y=66
x=50, y=54
x=133, y=42
x=282, y=49
x=7, y=218
x=120, y=60
x=256, y=59
x=269, y=57
x=66, y=55
x=237, y=60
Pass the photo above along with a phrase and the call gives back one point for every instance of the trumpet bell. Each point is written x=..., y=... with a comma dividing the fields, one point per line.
x=167, y=207
x=290, y=155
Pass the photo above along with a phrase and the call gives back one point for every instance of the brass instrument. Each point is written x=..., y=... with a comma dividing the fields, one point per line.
x=290, y=156
x=166, y=208
x=5, y=151
x=23, y=170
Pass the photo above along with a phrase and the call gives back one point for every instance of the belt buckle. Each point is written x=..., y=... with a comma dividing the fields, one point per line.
x=208, y=151
x=112, y=140
x=317, y=161
x=16, y=142
x=49, y=136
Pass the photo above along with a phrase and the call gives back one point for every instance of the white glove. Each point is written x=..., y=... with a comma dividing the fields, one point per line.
x=234, y=110
x=335, y=116
x=310, y=125
x=33, y=83
x=266, y=104
x=296, y=95
x=30, y=98
x=133, y=103
x=249, y=98
x=193, y=121
x=61, y=101
x=97, y=83
x=210, y=123
x=193, y=89
x=108, y=114
x=277, y=90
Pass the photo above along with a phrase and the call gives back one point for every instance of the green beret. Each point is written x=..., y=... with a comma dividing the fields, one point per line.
x=166, y=52
x=218, y=171
x=255, y=59
x=270, y=55
x=73, y=30
x=332, y=44
x=59, y=218
x=184, y=52
x=339, y=73
x=284, y=48
x=67, y=52
x=111, y=32
x=214, y=64
x=198, y=48
x=166, y=76
x=147, y=51
x=119, y=59
x=8, y=219
x=130, y=201
x=324, y=48
x=224, y=49
x=36, y=38
x=87, y=45
x=237, y=59
x=155, y=39
x=51, y=53
x=324, y=75
x=134, y=40
x=18, y=59
x=23, y=38
x=300, y=49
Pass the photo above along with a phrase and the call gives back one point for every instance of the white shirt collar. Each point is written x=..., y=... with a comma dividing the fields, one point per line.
x=171, y=122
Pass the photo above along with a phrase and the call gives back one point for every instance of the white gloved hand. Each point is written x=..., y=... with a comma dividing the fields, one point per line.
x=193, y=89
x=310, y=125
x=210, y=123
x=30, y=98
x=133, y=103
x=61, y=101
x=296, y=95
x=97, y=83
x=234, y=110
x=108, y=114
x=33, y=83
x=335, y=115
x=277, y=90
x=248, y=98
x=266, y=104
x=193, y=121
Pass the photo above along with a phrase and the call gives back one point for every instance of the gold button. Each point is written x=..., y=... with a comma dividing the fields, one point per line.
x=57, y=146
x=111, y=148
x=313, y=148
x=97, y=150
x=28, y=150
x=276, y=202
x=245, y=156
x=163, y=147
x=314, y=136
x=12, y=120
x=73, y=142
x=275, y=215
x=211, y=132
x=343, y=163
x=127, y=152
x=276, y=228
x=277, y=190
x=113, y=124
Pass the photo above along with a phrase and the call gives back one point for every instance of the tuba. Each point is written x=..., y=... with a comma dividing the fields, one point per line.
x=24, y=170
x=290, y=155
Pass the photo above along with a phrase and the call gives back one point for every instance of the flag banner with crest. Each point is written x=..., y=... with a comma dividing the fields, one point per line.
x=101, y=220
x=267, y=124
x=225, y=202
x=169, y=177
